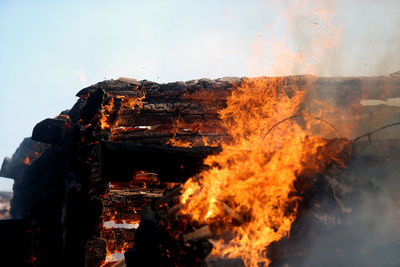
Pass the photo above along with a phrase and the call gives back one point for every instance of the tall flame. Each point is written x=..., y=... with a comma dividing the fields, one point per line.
x=247, y=195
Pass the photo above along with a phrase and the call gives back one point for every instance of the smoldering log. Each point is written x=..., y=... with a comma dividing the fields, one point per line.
x=119, y=161
x=155, y=136
x=50, y=131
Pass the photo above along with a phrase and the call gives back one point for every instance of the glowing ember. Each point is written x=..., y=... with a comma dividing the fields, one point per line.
x=179, y=143
x=248, y=193
x=27, y=161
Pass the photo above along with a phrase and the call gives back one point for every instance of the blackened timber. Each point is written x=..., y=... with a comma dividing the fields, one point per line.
x=16, y=236
x=118, y=239
x=28, y=150
x=95, y=249
x=75, y=112
x=49, y=131
x=5, y=168
x=93, y=105
x=151, y=119
x=163, y=137
x=110, y=86
x=119, y=161
x=220, y=88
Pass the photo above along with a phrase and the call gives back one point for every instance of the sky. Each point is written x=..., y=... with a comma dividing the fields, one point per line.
x=49, y=50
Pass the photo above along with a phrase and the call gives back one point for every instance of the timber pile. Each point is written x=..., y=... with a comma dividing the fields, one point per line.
x=119, y=128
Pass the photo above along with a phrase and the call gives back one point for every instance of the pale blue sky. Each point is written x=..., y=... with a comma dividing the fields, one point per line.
x=49, y=50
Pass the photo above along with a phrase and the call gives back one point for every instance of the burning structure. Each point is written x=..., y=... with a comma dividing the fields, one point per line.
x=226, y=172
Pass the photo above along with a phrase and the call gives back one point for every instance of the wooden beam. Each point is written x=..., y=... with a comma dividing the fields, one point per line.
x=119, y=161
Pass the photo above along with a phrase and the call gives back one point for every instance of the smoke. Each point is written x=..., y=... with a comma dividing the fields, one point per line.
x=329, y=38
x=361, y=227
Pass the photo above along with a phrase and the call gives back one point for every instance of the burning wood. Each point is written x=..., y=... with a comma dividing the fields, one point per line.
x=217, y=189
x=256, y=176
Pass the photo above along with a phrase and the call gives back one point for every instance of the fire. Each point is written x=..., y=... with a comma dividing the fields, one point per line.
x=179, y=143
x=133, y=102
x=248, y=195
x=27, y=161
x=116, y=255
x=115, y=251
x=105, y=113
x=203, y=141
x=129, y=102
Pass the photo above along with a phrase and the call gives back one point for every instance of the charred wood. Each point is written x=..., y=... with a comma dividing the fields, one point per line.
x=95, y=249
x=119, y=161
x=93, y=105
x=223, y=263
x=126, y=205
x=50, y=131
x=118, y=239
x=24, y=156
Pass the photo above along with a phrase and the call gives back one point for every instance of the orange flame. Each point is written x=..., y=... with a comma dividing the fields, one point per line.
x=105, y=113
x=27, y=161
x=176, y=142
x=133, y=103
x=251, y=181
x=130, y=102
x=179, y=143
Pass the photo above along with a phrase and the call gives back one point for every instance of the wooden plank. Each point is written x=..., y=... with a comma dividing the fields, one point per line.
x=119, y=161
